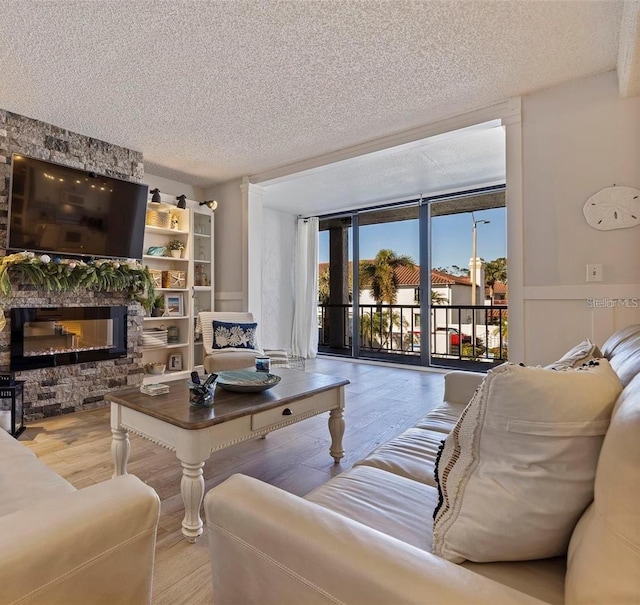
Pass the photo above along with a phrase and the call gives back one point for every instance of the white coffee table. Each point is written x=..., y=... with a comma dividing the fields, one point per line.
x=195, y=433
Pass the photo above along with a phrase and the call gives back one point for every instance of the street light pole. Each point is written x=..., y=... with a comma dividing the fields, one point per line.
x=474, y=246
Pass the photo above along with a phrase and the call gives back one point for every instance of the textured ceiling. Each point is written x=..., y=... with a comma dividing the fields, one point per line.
x=220, y=89
x=465, y=159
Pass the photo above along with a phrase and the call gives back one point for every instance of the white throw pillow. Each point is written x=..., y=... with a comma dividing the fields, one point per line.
x=575, y=357
x=517, y=470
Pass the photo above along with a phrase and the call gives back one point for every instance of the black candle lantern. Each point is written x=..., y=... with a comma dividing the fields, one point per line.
x=11, y=405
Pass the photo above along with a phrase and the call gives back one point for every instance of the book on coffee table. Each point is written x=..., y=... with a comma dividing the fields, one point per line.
x=154, y=389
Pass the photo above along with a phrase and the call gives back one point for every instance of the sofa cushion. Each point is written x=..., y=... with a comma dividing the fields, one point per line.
x=607, y=538
x=623, y=351
x=234, y=335
x=411, y=454
x=397, y=506
x=230, y=359
x=542, y=578
x=442, y=418
x=517, y=470
x=610, y=346
x=392, y=504
x=576, y=356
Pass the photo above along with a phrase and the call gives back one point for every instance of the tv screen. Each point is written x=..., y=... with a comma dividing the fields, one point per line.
x=67, y=211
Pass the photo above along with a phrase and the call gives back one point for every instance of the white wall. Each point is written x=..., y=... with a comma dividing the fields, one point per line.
x=275, y=311
x=173, y=188
x=577, y=138
x=278, y=246
x=229, y=229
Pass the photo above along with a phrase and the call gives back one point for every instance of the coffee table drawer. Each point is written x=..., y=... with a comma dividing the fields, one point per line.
x=289, y=411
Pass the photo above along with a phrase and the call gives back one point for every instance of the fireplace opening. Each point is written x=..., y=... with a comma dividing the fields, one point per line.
x=53, y=336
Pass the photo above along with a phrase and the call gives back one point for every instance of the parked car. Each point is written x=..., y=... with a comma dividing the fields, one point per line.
x=455, y=336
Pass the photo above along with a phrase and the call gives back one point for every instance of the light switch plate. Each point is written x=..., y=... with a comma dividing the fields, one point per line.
x=594, y=272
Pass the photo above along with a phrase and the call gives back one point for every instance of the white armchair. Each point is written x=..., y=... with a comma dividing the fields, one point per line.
x=218, y=360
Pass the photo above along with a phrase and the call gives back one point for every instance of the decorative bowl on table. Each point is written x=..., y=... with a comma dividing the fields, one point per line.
x=155, y=368
x=246, y=381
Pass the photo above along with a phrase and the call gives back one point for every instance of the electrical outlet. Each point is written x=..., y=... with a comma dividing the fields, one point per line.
x=594, y=272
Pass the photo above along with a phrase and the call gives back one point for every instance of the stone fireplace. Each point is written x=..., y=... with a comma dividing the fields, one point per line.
x=47, y=337
x=60, y=389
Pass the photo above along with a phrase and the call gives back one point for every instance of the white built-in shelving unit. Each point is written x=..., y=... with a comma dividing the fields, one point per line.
x=195, y=229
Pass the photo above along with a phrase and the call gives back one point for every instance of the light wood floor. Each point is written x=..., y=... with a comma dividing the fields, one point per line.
x=381, y=402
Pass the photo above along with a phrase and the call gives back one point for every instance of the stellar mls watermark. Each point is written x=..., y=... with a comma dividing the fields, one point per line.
x=610, y=303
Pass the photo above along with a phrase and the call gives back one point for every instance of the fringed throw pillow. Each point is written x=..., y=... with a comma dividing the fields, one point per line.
x=576, y=356
x=517, y=470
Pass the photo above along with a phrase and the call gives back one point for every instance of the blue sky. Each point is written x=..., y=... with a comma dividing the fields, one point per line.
x=451, y=239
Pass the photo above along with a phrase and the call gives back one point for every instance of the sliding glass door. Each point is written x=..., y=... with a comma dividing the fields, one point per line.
x=389, y=284
x=335, y=286
x=422, y=282
x=468, y=314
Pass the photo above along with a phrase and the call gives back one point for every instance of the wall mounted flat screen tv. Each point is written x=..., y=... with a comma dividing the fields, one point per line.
x=61, y=210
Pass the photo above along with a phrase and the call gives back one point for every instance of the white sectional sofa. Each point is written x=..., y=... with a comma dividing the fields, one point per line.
x=365, y=537
x=59, y=545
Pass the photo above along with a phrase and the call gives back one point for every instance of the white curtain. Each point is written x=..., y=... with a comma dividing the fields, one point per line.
x=304, y=341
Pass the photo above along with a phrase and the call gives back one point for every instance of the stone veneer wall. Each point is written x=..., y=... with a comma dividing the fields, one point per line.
x=64, y=389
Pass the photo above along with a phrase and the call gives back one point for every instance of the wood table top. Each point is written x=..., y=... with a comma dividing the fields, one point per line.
x=174, y=407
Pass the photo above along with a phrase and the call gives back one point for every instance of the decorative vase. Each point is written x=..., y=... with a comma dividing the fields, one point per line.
x=176, y=253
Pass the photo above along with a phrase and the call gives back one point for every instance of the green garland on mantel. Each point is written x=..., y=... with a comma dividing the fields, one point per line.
x=68, y=275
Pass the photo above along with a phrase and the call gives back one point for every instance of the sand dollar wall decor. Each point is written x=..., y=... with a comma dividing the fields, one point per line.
x=613, y=208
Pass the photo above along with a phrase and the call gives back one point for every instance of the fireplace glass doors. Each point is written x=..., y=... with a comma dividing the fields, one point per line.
x=48, y=337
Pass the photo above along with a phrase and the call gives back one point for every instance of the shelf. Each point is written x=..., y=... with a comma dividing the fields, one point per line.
x=168, y=376
x=197, y=244
x=169, y=258
x=164, y=230
x=176, y=345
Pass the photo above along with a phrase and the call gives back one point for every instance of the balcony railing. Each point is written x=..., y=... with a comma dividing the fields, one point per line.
x=458, y=332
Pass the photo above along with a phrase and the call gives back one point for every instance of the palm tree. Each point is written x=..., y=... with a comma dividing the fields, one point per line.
x=380, y=276
x=373, y=328
x=438, y=298
x=502, y=331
